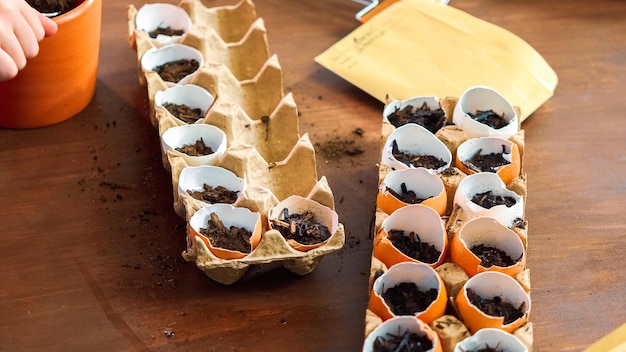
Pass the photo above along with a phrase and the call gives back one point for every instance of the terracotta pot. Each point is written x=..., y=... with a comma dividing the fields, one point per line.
x=61, y=80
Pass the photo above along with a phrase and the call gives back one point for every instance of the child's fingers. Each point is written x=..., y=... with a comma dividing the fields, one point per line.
x=12, y=47
x=50, y=27
x=27, y=37
x=8, y=68
x=33, y=20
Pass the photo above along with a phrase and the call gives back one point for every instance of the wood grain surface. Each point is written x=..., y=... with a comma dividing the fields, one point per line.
x=90, y=256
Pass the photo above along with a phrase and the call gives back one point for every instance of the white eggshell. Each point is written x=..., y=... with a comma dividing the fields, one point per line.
x=483, y=182
x=490, y=284
x=491, y=337
x=179, y=136
x=416, y=140
x=395, y=324
x=484, y=98
x=296, y=205
x=486, y=145
x=422, y=181
x=228, y=214
x=489, y=232
x=416, y=102
x=194, y=177
x=155, y=57
x=161, y=15
x=194, y=96
x=420, y=219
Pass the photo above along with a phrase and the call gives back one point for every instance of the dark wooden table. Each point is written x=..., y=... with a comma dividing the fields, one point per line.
x=87, y=266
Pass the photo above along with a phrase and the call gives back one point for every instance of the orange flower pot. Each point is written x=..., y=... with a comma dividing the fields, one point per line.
x=61, y=81
x=423, y=276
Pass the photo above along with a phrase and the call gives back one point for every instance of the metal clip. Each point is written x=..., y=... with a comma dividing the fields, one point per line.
x=374, y=6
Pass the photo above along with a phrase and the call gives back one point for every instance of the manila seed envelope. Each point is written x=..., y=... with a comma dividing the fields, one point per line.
x=423, y=48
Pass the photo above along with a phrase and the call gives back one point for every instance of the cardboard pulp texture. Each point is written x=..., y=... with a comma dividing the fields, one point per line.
x=450, y=327
x=247, y=86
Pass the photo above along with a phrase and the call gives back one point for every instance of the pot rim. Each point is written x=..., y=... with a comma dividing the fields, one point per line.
x=73, y=13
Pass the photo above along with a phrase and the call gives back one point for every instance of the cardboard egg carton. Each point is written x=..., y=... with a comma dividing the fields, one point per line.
x=229, y=35
x=450, y=327
x=261, y=126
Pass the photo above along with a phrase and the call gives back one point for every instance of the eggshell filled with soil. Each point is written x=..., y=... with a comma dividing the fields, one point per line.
x=414, y=233
x=229, y=218
x=503, y=250
x=476, y=105
x=401, y=325
x=409, y=289
x=165, y=23
x=183, y=56
x=497, y=291
x=499, y=155
x=400, y=188
x=412, y=146
x=305, y=223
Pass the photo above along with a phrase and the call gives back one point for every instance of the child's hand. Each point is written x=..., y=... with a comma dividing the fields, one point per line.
x=21, y=29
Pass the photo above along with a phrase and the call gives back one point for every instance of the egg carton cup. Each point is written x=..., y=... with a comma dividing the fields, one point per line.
x=244, y=57
x=273, y=139
x=450, y=328
x=272, y=252
x=242, y=95
x=257, y=97
x=295, y=175
x=230, y=22
x=252, y=113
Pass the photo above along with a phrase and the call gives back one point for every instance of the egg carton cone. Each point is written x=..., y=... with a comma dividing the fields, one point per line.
x=450, y=327
x=231, y=22
x=244, y=58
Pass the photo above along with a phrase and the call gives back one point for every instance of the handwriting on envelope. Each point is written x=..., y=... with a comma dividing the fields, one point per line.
x=421, y=47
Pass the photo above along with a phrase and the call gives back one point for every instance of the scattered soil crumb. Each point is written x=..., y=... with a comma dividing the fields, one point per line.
x=338, y=148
